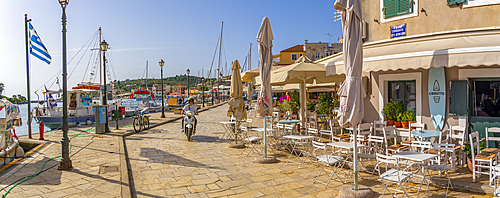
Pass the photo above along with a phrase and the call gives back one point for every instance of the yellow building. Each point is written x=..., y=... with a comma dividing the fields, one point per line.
x=404, y=41
x=290, y=55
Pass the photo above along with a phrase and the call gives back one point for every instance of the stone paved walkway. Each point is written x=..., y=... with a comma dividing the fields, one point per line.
x=164, y=164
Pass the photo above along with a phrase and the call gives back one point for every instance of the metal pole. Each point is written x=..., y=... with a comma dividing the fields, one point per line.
x=188, y=86
x=265, y=134
x=28, y=73
x=65, y=164
x=355, y=154
x=105, y=98
x=203, y=87
x=162, y=102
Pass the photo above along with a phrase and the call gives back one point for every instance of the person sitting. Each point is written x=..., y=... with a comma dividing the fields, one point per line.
x=190, y=107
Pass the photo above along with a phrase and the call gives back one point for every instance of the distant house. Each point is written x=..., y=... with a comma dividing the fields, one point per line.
x=313, y=51
x=289, y=55
x=179, y=88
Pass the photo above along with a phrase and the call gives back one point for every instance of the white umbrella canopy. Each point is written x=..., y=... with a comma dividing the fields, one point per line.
x=351, y=91
x=236, y=104
x=265, y=38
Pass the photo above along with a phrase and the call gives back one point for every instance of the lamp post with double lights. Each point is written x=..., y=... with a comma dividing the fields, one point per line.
x=162, y=102
x=188, y=71
x=104, y=48
x=65, y=163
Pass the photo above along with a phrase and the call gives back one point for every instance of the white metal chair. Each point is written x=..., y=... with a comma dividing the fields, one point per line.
x=457, y=137
x=312, y=132
x=251, y=142
x=420, y=146
x=446, y=164
x=389, y=132
x=325, y=160
x=480, y=160
x=378, y=125
x=407, y=135
x=394, y=175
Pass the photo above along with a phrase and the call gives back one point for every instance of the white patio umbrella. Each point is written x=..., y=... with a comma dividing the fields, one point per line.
x=351, y=91
x=264, y=102
x=236, y=104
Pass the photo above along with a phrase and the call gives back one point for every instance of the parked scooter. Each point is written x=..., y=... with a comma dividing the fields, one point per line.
x=189, y=120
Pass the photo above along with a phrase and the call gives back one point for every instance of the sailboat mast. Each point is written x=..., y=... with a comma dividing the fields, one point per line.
x=146, y=75
x=250, y=58
x=100, y=59
x=218, y=68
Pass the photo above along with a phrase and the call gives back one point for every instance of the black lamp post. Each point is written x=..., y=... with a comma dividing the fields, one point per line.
x=65, y=163
x=104, y=48
x=188, y=81
x=203, y=89
x=162, y=103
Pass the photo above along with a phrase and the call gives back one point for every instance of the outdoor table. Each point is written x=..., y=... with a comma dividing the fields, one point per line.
x=299, y=144
x=229, y=128
x=427, y=134
x=294, y=122
x=350, y=147
x=422, y=158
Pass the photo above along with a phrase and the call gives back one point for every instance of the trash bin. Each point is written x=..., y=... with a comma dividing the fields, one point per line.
x=100, y=119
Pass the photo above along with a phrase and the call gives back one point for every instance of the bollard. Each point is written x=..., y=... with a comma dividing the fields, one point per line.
x=41, y=127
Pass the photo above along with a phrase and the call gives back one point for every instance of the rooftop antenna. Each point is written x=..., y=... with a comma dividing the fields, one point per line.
x=329, y=38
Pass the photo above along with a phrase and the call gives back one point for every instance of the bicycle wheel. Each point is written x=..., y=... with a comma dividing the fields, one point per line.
x=145, y=122
x=136, y=124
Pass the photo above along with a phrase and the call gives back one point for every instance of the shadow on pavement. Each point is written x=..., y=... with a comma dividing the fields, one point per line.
x=159, y=156
x=204, y=138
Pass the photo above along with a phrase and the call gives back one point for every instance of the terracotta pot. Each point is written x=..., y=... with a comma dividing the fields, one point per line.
x=469, y=164
x=397, y=124
x=404, y=124
x=390, y=122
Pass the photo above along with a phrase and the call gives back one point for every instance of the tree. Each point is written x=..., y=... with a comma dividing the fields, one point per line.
x=1, y=88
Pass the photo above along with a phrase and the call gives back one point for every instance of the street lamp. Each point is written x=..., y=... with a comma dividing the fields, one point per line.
x=162, y=105
x=104, y=48
x=188, y=81
x=65, y=163
x=203, y=89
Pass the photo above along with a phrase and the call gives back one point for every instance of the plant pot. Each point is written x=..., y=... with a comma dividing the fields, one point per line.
x=397, y=124
x=390, y=122
x=469, y=163
x=404, y=124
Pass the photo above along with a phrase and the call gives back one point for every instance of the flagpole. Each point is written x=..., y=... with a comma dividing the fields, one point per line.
x=26, y=20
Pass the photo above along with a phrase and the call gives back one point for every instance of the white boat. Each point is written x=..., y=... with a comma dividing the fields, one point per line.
x=10, y=117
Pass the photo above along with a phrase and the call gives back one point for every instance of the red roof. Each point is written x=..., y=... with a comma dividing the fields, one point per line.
x=179, y=85
x=297, y=48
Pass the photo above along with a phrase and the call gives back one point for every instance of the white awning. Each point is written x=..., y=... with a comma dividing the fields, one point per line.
x=459, y=49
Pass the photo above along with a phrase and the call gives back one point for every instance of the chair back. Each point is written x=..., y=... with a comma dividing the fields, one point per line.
x=457, y=134
x=334, y=126
x=492, y=137
x=375, y=142
x=449, y=154
x=311, y=131
x=474, y=141
x=419, y=146
x=389, y=132
x=417, y=126
x=377, y=126
x=319, y=146
x=365, y=129
x=444, y=137
x=312, y=120
x=381, y=158
x=288, y=129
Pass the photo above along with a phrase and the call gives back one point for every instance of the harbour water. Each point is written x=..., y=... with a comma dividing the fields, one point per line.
x=23, y=130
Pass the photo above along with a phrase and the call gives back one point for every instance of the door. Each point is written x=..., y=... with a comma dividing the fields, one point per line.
x=484, y=107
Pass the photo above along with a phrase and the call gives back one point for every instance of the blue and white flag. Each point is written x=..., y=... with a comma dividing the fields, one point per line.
x=51, y=102
x=37, y=48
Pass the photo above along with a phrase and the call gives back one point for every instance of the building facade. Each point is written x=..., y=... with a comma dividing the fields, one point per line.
x=408, y=43
x=313, y=51
x=179, y=88
x=289, y=55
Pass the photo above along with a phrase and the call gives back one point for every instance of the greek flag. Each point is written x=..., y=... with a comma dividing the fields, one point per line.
x=37, y=48
x=50, y=100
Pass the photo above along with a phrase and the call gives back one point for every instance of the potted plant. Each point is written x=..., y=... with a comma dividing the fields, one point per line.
x=388, y=111
x=311, y=106
x=466, y=148
x=399, y=113
x=325, y=104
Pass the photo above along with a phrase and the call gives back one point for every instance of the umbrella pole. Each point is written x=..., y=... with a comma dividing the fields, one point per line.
x=302, y=88
x=265, y=134
x=235, y=134
x=355, y=156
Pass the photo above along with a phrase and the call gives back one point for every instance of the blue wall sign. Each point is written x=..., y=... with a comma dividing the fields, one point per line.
x=398, y=31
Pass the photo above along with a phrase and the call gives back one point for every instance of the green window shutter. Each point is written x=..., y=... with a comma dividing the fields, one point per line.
x=458, y=98
x=405, y=6
x=452, y=2
x=390, y=8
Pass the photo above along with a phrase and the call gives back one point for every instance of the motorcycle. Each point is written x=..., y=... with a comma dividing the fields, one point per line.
x=188, y=124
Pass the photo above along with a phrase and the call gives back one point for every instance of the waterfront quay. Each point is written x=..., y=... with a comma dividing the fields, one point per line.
x=160, y=162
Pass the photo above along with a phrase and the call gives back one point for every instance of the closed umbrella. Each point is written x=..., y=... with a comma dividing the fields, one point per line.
x=351, y=91
x=264, y=102
x=236, y=104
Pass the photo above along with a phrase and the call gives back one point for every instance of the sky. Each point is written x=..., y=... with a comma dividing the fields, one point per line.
x=182, y=33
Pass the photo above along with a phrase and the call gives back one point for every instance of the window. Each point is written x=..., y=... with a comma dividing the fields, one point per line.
x=404, y=91
x=300, y=54
x=473, y=3
x=392, y=10
x=317, y=55
x=294, y=57
x=397, y=7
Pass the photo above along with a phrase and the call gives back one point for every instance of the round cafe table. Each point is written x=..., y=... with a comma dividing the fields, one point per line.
x=427, y=134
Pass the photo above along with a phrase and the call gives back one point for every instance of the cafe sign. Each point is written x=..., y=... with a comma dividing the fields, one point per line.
x=398, y=31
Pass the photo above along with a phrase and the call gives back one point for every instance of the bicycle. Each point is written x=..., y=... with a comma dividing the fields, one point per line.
x=141, y=121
